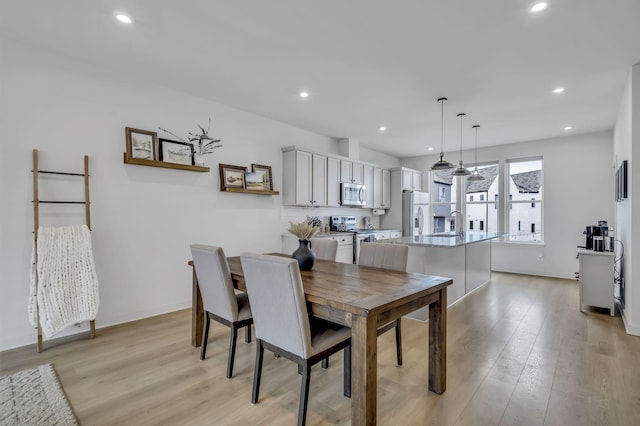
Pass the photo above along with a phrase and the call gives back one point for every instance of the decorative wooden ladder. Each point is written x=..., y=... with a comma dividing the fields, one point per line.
x=36, y=224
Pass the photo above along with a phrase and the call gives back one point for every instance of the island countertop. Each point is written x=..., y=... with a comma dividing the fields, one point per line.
x=445, y=239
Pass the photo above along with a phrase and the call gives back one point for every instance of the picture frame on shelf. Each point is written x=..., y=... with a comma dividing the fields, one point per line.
x=141, y=144
x=231, y=176
x=254, y=181
x=265, y=172
x=176, y=152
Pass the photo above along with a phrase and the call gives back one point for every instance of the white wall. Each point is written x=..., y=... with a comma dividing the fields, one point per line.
x=578, y=191
x=628, y=119
x=143, y=218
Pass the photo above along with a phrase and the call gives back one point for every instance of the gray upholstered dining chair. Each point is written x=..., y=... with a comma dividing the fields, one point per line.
x=220, y=301
x=387, y=256
x=325, y=248
x=283, y=326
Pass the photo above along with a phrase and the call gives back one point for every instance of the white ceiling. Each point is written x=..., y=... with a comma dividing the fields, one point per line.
x=365, y=62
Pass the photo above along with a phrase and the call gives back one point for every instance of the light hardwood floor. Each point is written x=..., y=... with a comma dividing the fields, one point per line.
x=519, y=352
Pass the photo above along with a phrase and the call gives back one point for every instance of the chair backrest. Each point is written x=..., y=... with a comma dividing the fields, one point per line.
x=384, y=255
x=325, y=248
x=277, y=302
x=214, y=280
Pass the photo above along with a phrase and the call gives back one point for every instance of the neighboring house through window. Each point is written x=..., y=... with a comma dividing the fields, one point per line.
x=525, y=190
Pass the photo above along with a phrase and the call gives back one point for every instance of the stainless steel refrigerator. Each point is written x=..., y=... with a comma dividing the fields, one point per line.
x=415, y=207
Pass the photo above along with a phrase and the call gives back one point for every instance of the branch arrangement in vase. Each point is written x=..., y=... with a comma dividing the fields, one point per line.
x=205, y=143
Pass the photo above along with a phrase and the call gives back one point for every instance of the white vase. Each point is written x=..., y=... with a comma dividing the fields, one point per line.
x=198, y=159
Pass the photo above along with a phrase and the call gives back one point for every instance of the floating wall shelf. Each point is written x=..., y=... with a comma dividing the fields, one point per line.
x=250, y=191
x=153, y=163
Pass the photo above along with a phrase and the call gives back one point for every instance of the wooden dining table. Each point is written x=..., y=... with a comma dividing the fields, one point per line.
x=363, y=298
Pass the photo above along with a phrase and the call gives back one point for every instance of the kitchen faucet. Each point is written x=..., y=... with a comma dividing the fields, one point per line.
x=458, y=227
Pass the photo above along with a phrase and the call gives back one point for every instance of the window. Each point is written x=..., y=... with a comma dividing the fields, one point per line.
x=525, y=186
x=478, y=207
x=444, y=189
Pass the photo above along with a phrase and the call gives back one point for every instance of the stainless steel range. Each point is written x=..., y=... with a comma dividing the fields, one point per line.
x=349, y=224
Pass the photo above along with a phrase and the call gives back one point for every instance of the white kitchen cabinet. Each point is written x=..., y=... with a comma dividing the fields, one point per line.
x=368, y=183
x=596, y=279
x=383, y=235
x=411, y=180
x=381, y=188
x=345, y=248
x=333, y=182
x=304, y=179
x=351, y=171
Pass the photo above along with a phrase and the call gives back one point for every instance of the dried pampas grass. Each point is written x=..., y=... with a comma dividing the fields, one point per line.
x=303, y=230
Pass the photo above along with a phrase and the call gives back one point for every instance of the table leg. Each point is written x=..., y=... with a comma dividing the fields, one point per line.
x=364, y=341
x=438, y=344
x=197, y=312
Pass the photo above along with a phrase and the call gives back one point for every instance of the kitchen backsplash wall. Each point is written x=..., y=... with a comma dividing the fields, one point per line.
x=298, y=214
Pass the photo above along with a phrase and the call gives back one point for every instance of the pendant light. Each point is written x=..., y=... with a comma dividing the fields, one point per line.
x=461, y=170
x=475, y=175
x=442, y=164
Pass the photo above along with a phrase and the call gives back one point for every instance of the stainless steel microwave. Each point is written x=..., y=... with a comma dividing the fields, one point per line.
x=352, y=194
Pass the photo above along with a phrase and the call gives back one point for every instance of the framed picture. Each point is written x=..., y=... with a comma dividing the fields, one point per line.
x=231, y=176
x=254, y=181
x=265, y=172
x=141, y=144
x=176, y=152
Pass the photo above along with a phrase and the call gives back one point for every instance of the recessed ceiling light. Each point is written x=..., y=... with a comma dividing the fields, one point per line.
x=558, y=90
x=430, y=148
x=538, y=6
x=568, y=128
x=125, y=19
x=303, y=94
x=382, y=128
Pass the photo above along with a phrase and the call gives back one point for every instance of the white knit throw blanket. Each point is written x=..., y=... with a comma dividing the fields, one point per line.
x=67, y=283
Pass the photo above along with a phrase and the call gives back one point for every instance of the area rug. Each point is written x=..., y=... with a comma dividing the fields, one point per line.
x=34, y=397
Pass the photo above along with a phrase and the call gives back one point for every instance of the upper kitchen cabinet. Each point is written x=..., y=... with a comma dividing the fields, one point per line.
x=411, y=179
x=381, y=188
x=351, y=172
x=304, y=179
x=368, y=184
x=333, y=182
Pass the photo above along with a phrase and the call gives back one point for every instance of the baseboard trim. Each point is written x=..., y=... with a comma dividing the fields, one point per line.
x=629, y=328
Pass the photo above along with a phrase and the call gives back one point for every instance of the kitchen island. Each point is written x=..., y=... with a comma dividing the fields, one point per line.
x=466, y=259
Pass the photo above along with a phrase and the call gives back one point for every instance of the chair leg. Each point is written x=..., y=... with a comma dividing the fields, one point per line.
x=247, y=334
x=347, y=371
x=205, y=336
x=304, y=395
x=399, y=340
x=325, y=363
x=232, y=350
x=257, y=373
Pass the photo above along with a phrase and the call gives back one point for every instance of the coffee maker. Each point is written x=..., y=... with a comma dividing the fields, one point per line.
x=598, y=238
